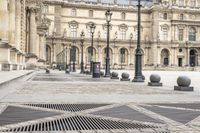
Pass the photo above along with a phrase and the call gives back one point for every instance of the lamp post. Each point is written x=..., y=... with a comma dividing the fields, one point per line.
x=108, y=15
x=92, y=30
x=70, y=59
x=82, y=40
x=138, y=55
x=74, y=57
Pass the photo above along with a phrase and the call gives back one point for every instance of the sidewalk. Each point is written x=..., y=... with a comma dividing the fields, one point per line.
x=7, y=76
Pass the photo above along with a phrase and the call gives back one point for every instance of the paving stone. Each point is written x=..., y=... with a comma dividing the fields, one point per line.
x=125, y=112
x=182, y=116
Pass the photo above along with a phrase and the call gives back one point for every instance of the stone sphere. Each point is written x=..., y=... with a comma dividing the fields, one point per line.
x=183, y=81
x=155, y=78
x=125, y=75
x=114, y=74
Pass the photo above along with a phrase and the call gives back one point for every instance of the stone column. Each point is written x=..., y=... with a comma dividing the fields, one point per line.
x=18, y=25
x=12, y=22
x=33, y=31
x=4, y=25
x=155, y=38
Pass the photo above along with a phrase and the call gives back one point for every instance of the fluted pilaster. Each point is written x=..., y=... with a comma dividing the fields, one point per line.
x=4, y=18
x=12, y=22
x=33, y=30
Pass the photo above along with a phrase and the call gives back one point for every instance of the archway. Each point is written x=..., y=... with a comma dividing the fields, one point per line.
x=165, y=57
x=193, y=58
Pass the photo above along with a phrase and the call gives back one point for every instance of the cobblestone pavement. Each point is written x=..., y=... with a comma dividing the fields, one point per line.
x=59, y=102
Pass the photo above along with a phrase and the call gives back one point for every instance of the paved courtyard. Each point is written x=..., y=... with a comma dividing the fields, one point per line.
x=75, y=102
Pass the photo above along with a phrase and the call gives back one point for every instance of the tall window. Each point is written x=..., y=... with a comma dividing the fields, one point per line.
x=123, y=34
x=73, y=12
x=123, y=55
x=73, y=31
x=165, y=16
x=193, y=3
x=45, y=9
x=91, y=13
x=123, y=15
x=181, y=16
x=180, y=34
x=181, y=2
x=192, y=34
x=165, y=34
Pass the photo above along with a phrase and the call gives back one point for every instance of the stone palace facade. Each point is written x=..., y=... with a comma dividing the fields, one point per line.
x=47, y=32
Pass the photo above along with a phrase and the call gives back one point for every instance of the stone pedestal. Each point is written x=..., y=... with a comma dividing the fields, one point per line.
x=181, y=88
x=155, y=80
x=154, y=84
x=114, y=75
x=183, y=84
x=125, y=77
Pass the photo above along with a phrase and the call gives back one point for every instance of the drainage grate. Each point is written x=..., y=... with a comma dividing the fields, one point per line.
x=12, y=115
x=125, y=112
x=68, y=107
x=75, y=123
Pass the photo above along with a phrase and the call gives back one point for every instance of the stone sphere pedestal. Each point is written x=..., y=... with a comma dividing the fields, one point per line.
x=114, y=75
x=183, y=84
x=155, y=80
x=125, y=77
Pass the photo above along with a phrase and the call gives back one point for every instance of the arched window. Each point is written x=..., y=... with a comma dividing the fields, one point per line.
x=165, y=57
x=104, y=55
x=181, y=16
x=192, y=34
x=73, y=12
x=165, y=16
x=123, y=15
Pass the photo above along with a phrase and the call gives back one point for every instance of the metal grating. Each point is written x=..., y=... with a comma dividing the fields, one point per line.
x=68, y=107
x=77, y=123
x=125, y=112
x=182, y=116
x=13, y=115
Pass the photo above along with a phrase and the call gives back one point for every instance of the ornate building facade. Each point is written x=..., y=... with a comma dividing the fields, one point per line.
x=170, y=32
x=47, y=32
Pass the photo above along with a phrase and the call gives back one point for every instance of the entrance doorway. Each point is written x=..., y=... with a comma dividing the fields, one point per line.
x=180, y=62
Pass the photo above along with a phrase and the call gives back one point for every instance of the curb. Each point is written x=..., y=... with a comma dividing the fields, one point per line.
x=16, y=78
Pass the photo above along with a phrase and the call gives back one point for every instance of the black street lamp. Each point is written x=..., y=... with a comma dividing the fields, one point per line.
x=108, y=15
x=138, y=55
x=82, y=40
x=70, y=59
x=92, y=30
x=74, y=57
